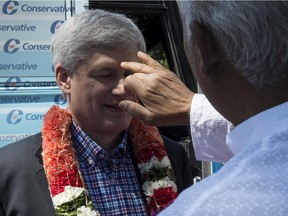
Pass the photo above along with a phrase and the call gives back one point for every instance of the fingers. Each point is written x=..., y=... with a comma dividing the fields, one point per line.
x=150, y=65
x=150, y=61
x=136, y=67
x=135, y=109
x=135, y=83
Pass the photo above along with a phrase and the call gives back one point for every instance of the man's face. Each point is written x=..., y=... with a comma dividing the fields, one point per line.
x=97, y=89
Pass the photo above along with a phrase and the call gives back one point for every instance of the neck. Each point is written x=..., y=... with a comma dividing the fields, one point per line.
x=107, y=141
x=242, y=101
x=267, y=98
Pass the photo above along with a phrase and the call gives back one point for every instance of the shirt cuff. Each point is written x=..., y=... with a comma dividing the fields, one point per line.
x=208, y=131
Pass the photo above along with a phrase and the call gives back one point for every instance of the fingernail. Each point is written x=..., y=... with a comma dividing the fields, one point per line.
x=122, y=104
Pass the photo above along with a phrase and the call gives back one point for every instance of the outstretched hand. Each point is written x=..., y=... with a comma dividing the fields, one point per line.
x=165, y=99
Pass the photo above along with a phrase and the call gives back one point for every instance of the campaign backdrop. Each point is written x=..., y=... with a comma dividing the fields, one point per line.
x=27, y=84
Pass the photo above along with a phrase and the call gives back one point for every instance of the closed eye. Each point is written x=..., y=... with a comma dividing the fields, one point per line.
x=103, y=75
x=100, y=74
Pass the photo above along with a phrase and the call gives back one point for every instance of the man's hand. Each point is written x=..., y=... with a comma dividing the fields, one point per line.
x=165, y=99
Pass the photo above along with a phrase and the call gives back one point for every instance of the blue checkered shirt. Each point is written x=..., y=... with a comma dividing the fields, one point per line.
x=109, y=178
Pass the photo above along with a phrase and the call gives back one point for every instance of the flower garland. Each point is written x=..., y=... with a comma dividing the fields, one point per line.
x=66, y=186
x=154, y=164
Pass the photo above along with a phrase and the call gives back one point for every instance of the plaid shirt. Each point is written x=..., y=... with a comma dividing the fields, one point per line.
x=109, y=178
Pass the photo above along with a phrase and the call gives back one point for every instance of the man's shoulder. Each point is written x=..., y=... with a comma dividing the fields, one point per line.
x=176, y=151
x=172, y=145
x=17, y=149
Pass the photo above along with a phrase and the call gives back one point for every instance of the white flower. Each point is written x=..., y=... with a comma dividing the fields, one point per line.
x=86, y=211
x=165, y=162
x=154, y=162
x=150, y=186
x=67, y=195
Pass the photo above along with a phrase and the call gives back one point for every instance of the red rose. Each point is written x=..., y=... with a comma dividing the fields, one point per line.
x=148, y=151
x=71, y=178
x=162, y=198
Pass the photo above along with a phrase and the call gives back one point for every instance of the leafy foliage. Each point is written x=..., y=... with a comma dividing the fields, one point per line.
x=159, y=55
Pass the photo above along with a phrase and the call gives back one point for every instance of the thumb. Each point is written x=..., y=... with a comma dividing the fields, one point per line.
x=136, y=110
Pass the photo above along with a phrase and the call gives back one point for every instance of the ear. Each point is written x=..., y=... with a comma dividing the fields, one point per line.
x=207, y=48
x=63, y=79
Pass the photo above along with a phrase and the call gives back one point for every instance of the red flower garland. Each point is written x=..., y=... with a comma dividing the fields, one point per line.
x=59, y=160
x=61, y=165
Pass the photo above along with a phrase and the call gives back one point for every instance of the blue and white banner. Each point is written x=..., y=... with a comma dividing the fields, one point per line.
x=26, y=64
x=27, y=83
x=22, y=115
x=35, y=8
x=26, y=29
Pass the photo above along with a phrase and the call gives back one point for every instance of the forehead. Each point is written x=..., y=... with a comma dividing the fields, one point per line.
x=114, y=56
x=107, y=60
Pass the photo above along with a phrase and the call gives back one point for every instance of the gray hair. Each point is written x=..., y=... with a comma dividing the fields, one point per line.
x=254, y=35
x=78, y=37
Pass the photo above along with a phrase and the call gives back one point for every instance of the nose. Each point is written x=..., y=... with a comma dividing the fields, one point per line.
x=121, y=91
x=119, y=87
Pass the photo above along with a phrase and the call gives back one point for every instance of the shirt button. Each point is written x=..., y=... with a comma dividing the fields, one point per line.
x=90, y=161
x=113, y=181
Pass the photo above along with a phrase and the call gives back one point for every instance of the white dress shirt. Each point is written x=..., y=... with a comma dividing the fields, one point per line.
x=254, y=182
x=208, y=131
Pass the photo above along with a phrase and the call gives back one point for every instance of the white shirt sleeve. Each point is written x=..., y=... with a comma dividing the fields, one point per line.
x=208, y=130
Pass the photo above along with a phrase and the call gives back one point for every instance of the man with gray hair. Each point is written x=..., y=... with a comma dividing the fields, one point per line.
x=93, y=158
x=238, y=52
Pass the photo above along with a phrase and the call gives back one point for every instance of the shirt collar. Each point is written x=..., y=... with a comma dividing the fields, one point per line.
x=86, y=147
x=256, y=128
